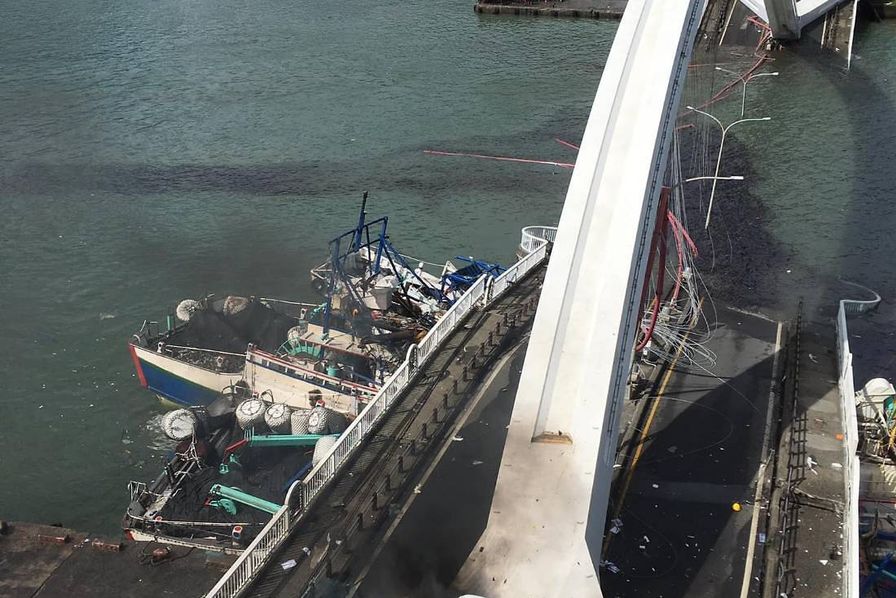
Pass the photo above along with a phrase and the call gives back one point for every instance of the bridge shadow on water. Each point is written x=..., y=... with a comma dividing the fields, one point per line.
x=868, y=99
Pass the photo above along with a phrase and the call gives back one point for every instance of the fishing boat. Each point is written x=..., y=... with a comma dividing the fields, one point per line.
x=341, y=350
x=230, y=471
x=219, y=342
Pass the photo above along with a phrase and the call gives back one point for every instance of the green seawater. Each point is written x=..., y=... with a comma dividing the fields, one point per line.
x=155, y=151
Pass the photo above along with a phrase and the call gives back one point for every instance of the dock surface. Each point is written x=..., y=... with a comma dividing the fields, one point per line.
x=43, y=561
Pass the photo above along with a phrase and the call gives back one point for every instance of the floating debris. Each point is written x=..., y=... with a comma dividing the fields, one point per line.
x=616, y=527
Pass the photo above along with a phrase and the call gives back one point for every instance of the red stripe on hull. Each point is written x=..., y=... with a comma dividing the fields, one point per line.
x=137, y=365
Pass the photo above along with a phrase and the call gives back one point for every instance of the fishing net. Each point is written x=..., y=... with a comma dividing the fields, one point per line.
x=250, y=413
x=325, y=421
x=299, y=421
x=234, y=327
x=179, y=424
x=278, y=417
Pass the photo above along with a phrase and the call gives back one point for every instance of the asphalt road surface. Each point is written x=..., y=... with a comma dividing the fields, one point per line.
x=698, y=453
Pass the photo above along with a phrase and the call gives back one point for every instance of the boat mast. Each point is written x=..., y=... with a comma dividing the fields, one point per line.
x=335, y=267
x=356, y=243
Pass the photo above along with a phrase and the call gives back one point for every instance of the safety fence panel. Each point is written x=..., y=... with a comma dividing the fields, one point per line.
x=256, y=555
x=846, y=384
x=852, y=548
x=518, y=270
x=503, y=282
x=355, y=433
x=533, y=236
x=448, y=322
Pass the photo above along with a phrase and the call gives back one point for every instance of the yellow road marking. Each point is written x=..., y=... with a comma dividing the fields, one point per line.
x=646, y=430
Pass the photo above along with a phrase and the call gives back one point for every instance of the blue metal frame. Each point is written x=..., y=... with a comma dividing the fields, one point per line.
x=365, y=234
x=462, y=278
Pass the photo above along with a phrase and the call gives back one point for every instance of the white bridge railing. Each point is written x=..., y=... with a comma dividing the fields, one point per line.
x=534, y=236
x=535, y=241
x=846, y=384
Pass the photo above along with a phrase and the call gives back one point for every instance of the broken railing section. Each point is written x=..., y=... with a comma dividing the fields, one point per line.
x=483, y=292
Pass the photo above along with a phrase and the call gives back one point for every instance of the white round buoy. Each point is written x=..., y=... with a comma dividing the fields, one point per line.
x=317, y=420
x=337, y=423
x=250, y=413
x=179, y=424
x=278, y=418
x=321, y=448
x=299, y=421
x=325, y=421
x=186, y=309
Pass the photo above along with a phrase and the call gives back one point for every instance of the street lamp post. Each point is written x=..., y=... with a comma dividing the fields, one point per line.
x=735, y=177
x=745, y=80
x=725, y=130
